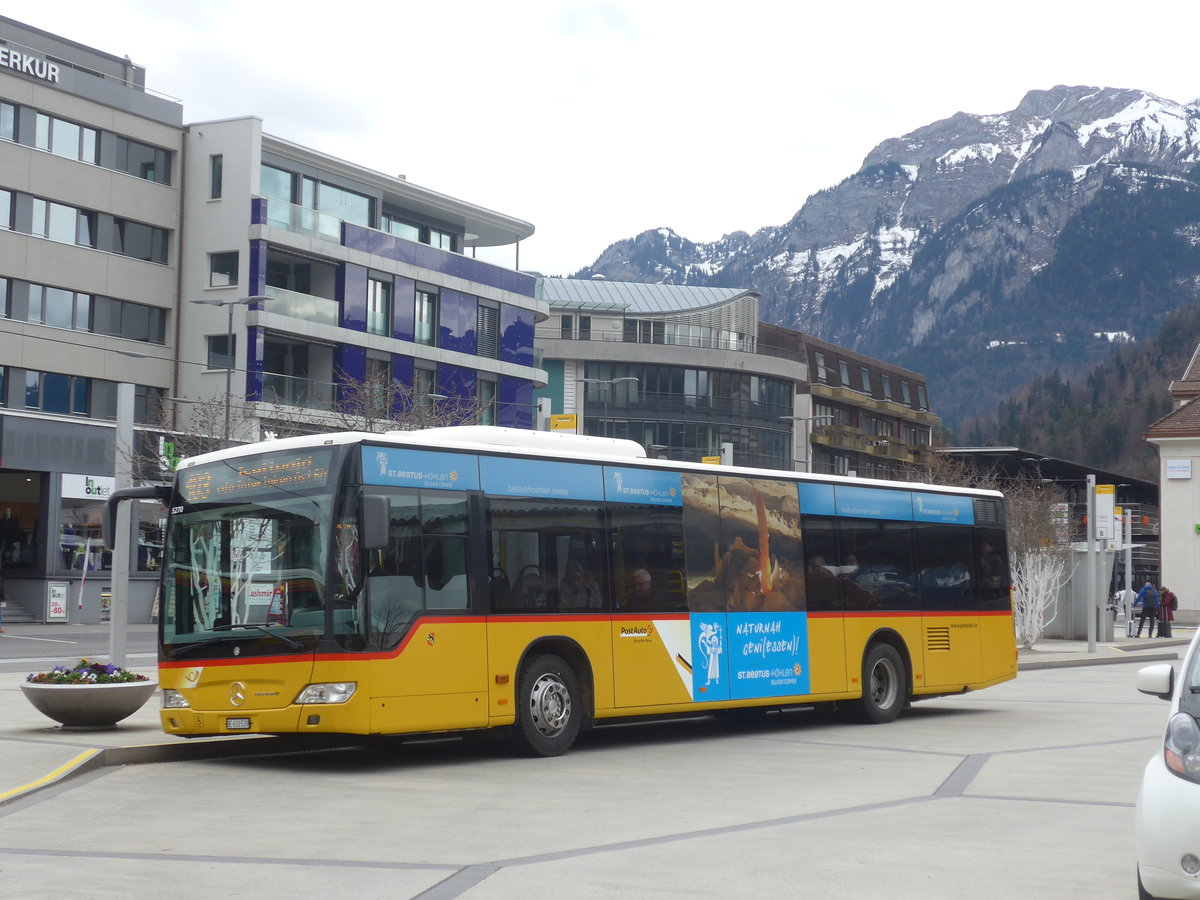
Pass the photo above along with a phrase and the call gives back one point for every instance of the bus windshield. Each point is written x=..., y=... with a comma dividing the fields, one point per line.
x=247, y=567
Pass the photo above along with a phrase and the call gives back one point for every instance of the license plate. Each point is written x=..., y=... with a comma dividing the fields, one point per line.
x=237, y=724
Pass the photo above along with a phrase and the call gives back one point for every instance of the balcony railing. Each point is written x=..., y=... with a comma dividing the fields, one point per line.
x=288, y=390
x=302, y=220
x=319, y=310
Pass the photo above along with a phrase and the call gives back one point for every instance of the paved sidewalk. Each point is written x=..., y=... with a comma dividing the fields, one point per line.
x=36, y=753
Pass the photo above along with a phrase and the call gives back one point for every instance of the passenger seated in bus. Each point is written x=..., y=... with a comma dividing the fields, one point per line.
x=579, y=589
x=641, y=594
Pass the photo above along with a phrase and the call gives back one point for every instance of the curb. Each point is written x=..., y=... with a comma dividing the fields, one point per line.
x=240, y=747
x=1033, y=665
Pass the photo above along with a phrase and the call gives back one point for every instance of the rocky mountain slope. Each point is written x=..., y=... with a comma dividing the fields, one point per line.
x=982, y=250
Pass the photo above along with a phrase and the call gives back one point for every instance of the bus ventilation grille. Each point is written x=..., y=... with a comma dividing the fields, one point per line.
x=937, y=639
x=987, y=512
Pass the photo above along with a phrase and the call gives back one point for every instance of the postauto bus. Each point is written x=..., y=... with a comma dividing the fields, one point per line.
x=474, y=578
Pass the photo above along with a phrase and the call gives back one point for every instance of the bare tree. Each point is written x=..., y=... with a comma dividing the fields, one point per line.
x=378, y=402
x=1038, y=550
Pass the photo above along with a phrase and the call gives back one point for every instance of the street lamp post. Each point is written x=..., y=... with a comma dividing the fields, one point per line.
x=229, y=354
x=610, y=382
x=808, y=434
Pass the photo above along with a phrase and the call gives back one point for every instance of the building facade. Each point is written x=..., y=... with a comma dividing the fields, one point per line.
x=89, y=263
x=325, y=277
x=685, y=370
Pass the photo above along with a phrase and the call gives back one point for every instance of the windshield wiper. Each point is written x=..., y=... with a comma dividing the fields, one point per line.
x=283, y=638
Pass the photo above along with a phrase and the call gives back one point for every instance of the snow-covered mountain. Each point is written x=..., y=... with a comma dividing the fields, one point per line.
x=952, y=239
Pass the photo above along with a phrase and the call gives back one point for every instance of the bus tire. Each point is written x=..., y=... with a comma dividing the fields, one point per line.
x=885, y=684
x=549, y=711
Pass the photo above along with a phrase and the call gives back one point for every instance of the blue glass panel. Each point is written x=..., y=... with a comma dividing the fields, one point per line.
x=404, y=303
x=817, y=500
x=458, y=322
x=515, y=402
x=402, y=371
x=56, y=393
x=352, y=361
x=352, y=290
x=258, y=211
x=943, y=508
x=420, y=468
x=540, y=478
x=356, y=237
x=873, y=503
x=649, y=486
x=516, y=335
x=255, y=338
x=456, y=382
x=258, y=268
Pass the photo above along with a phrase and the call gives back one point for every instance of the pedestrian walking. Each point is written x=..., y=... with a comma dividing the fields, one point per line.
x=1146, y=603
x=1167, y=604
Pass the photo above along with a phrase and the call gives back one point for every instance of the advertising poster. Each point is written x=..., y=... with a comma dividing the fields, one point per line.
x=56, y=601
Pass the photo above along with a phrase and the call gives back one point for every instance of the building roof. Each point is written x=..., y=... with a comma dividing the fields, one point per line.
x=1012, y=462
x=634, y=297
x=1181, y=422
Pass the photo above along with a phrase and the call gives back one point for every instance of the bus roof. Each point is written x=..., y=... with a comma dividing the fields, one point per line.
x=551, y=444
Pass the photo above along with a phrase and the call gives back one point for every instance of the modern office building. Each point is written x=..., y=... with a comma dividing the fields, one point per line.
x=327, y=277
x=685, y=370
x=89, y=265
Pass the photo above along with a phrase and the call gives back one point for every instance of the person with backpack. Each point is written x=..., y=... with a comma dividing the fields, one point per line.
x=1167, y=604
x=1146, y=602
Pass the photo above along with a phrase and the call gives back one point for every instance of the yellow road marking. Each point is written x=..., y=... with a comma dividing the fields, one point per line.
x=51, y=776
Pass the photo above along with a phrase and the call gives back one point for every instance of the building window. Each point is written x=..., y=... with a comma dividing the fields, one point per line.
x=443, y=240
x=585, y=328
x=379, y=307
x=52, y=392
x=904, y=393
x=401, y=228
x=844, y=369
x=221, y=351
x=8, y=122
x=377, y=402
x=426, y=318
x=424, y=384
x=922, y=400
x=866, y=379
x=485, y=401
x=887, y=387
x=819, y=357
x=216, y=167
x=567, y=331
x=6, y=208
x=222, y=269
x=487, y=331
x=143, y=161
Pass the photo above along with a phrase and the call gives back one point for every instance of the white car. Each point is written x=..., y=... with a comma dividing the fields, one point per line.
x=1168, y=803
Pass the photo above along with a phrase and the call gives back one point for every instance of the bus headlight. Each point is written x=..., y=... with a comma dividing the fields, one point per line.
x=329, y=692
x=173, y=699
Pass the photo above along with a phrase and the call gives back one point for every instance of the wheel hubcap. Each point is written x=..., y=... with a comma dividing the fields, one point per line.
x=550, y=705
x=883, y=685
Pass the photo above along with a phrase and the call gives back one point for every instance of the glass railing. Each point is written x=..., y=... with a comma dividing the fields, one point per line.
x=302, y=220
x=288, y=390
x=320, y=310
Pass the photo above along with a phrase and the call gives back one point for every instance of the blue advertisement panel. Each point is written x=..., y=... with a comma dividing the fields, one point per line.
x=540, y=478
x=943, y=508
x=642, y=486
x=873, y=503
x=420, y=468
x=816, y=500
x=746, y=655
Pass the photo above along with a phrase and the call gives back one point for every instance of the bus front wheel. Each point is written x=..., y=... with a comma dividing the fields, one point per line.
x=548, y=710
x=885, y=684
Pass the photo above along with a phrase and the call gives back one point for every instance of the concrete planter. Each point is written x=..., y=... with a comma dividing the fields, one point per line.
x=89, y=705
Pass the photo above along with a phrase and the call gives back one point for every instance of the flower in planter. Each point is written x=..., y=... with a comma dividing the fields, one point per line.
x=86, y=672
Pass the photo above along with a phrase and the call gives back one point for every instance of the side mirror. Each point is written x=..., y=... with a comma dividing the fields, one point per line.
x=374, y=526
x=108, y=521
x=1158, y=681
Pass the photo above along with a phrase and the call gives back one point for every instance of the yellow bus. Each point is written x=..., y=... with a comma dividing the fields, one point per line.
x=478, y=578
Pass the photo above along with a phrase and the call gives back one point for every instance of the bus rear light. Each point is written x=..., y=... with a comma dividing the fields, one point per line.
x=173, y=699
x=329, y=692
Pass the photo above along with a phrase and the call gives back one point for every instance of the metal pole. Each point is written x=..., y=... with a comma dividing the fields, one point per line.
x=118, y=623
x=1090, y=583
x=228, y=371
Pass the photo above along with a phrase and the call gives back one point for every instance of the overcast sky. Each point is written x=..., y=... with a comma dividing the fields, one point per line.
x=598, y=120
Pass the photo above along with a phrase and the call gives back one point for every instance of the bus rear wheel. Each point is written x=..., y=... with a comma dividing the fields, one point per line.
x=885, y=684
x=548, y=707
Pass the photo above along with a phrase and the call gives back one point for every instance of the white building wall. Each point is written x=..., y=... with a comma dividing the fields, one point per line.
x=1179, y=499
